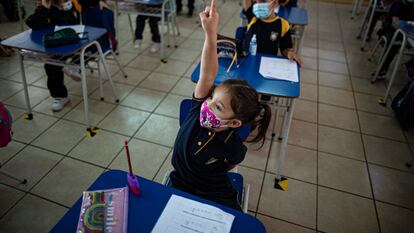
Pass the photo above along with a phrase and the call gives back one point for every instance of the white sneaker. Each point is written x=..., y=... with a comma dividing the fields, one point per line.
x=58, y=103
x=137, y=44
x=155, y=47
x=73, y=73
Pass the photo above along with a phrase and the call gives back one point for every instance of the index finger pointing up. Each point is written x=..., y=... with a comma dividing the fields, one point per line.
x=213, y=7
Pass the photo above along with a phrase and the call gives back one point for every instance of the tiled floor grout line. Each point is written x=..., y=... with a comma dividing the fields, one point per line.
x=283, y=220
x=361, y=137
x=317, y=119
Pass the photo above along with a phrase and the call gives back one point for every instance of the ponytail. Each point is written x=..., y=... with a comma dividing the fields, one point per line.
x=261, y=124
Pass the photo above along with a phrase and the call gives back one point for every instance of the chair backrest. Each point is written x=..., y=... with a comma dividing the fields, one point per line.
x=95, y=17
x=185, y=106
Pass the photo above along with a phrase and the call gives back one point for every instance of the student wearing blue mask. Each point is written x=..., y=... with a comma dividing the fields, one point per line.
x=272, y=32
x=207, y=147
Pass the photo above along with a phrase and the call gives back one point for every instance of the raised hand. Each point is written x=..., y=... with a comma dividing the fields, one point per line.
x=209, y=19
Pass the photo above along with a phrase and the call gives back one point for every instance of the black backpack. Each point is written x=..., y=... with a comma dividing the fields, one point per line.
x=403, y=106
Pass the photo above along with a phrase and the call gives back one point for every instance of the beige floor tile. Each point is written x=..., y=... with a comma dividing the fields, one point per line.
x=186, y=55
x=330, y=45
x=170, y=106
x=308, y=92
x=309, y=52
x=342, y=212
x=45, y=106
x=30, y=164
x=8, y=197
x=310, y=42
x=308, y=76
x=66, y=182
x=310, y=63
x=166, y=167
x=124, y=58
x=256, y=157
x=160, y=82
x=336, y=97
x=190, y=43
x=369, y=103
x=343, y=174
x=365, y=86
x=297, y=204
x=305, y=110
x=277, y=226
x=387, y=152
x=121, y=91
x=134, y=76
x=9, y=68
x=10, y=150
x=334, y=80
x=333, y=67
x=395, y=219
x=97, y=111
x=124, y=120
x=146, y=158
x=36, y=95
x=190, y=70
x=410, y=135
x=61, y=137
x=332, y=55
x=184, y=87
x=32, y=214
x=32, y=74
x=173, y=67
x=75, y=88
x=338, y=117
x=303, y=134
x=392, y=186
x=16, y=112
x=340, y=142
x=299, y=163
x=382, y=126
x=159, y=129
x=144, y=62
x=27, y=130
x=144, y=99
x=363, y=69
x=8, y=88
x=255, y=179
x=100, y=149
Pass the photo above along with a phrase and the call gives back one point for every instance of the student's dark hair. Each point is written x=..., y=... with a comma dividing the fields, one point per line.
x=247, y=108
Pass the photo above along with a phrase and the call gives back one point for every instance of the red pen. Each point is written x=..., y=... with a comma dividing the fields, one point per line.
x=132, y=180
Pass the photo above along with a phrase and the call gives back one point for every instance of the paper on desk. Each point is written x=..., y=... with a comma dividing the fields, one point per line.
x=279, y=68
x=77, y=28
x=182, y=215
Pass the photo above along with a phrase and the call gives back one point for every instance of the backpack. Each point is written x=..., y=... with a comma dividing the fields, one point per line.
x=5, y=126
x=403, y=106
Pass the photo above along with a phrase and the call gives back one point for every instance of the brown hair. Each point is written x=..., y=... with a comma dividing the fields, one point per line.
x=247, y=108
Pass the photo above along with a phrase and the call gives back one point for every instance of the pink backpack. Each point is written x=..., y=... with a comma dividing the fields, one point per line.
x=5, y=126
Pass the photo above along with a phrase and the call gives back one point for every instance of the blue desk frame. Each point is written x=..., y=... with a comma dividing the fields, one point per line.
x=30, y=47
x=145, y=210
x=284, y=92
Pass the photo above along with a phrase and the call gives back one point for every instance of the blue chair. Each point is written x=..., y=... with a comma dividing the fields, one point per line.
x=95, y=17
x=235, y=178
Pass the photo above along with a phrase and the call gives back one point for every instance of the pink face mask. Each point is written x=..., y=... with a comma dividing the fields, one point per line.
x=208, y=118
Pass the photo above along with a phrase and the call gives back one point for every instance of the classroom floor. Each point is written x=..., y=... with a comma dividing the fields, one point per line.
x=345, y=158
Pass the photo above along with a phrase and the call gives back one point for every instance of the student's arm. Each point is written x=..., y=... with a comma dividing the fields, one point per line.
x=285, y=43
x=209, y=61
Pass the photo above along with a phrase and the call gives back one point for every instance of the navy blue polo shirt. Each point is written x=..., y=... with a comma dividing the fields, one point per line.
x=201, y=156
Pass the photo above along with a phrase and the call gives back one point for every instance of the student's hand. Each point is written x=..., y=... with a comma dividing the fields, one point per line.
x=46, y=3
x=209, y=19
x=294, y=57
x=102, y=4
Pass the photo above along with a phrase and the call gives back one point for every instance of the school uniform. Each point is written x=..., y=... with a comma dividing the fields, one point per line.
x=42, y=18
x=153, y=22
x=201, y=159
x=271, y=35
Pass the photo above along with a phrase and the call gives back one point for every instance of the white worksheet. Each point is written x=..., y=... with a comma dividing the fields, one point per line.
x=279, y=68
x=182, y=215
x=77, y=28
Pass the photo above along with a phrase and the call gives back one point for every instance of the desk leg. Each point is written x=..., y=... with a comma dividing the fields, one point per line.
x=89, y=131
x=108, y=75
x=163, y=60
x=29, y=115
x=302, y=37
x=281, y=182
x=276, y=116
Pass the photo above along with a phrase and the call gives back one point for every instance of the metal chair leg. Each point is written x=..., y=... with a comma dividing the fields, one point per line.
x=119, y=64
x=371, y=17
x=381, y=63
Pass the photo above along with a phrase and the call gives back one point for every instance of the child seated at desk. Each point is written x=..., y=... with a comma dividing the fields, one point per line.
x=272, y=32
x=207, y=147
x=50, y=13
x=156, y=38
